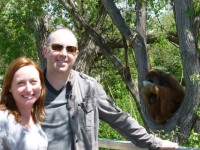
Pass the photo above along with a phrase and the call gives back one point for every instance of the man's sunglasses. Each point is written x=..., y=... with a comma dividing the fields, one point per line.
x=60, y=47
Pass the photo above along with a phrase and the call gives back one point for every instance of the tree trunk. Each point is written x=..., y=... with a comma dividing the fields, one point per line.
x=186, y=115
x=87, y=54
x=41, y=32
x=125, y=72
x=137, y=41
x=140, y=49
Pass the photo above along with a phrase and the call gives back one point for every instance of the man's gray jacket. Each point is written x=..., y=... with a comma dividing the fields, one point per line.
x=87, y=103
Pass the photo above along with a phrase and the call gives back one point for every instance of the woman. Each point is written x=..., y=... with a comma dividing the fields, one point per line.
x=22, y=107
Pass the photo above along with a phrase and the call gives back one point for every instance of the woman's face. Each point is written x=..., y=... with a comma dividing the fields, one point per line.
x=26, y=86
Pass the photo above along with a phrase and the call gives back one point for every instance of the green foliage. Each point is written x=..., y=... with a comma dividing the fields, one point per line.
x=166, y=57
x=195, y=78
x=163, y=54
x=193, y=140
x=172, y=136
x=16, y=30
x=116, y=89
x=198, y=111
x=194, y=10
x=109, y=132
x=17, y=38
x=157, y=7
x=196, y=7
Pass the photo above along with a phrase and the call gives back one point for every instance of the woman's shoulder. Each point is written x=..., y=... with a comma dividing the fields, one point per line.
x=3, y=114
x=6, y=115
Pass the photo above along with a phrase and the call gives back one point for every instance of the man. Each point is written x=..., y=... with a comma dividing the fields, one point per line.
x=75, y=102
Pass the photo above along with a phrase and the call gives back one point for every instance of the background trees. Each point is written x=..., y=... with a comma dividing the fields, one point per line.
x=118, y=42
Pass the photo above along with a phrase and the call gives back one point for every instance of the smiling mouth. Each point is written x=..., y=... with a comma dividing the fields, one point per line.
x=28, y=96
x=61, y=61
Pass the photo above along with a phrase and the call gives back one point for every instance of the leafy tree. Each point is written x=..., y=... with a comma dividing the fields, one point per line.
x=119, y=40
x=17, y=30
x=137, y=41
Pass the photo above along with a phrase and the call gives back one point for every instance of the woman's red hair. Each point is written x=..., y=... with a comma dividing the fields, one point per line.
x=7, y=101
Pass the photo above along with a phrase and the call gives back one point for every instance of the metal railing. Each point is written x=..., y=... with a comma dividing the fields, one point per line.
x=128, y=145
x=118, y=145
